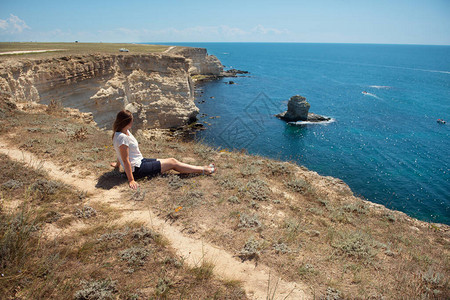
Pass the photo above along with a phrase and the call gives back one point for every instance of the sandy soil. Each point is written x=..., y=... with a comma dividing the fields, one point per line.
x=255, y=278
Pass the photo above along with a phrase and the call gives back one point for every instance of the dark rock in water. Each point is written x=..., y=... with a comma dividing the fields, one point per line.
x=233, y=73
x=223, y=74
x=237, y=71
x=298, y=110
x=198, y=126
x=231, y=82
x=317, y=118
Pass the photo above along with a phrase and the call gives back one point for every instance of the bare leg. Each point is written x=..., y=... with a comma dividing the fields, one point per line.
x=173, y=164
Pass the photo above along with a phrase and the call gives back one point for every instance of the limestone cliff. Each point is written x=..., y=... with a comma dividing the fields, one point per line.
x=200, y=63
x=157, y=87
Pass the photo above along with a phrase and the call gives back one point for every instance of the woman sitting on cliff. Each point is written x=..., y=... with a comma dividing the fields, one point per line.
x=131, y=159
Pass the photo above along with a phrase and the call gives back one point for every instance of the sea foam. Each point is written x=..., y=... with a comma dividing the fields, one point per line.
x=312, y=123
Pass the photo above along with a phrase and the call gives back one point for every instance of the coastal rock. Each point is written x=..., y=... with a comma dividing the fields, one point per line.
x=317, y=118
x=233, y=73
x=298, y=110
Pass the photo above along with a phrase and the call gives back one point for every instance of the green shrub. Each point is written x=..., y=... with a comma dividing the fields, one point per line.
x=134, y=256
x=191, y=198
x=43, y=188
x=251, y=250
x=175, y=182
x=356, y=245
x=356, y=207
x=163, y=287
x=248, y=170
x=246, y=221
x=86, y=212
x=228, y=182
x=96, y=290
x=278, y=168
x=281, y=248
x=234, y=200
x=298, y=185
x=145, y=236
x=115, y=236
x=11, y=185
x=257, y=189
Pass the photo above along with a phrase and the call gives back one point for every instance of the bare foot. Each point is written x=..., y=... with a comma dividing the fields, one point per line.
x=208, y=170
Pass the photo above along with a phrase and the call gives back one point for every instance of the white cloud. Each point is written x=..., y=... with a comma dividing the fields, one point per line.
x=263, y=30
x=13, y=25
x=213, y=33
x=3, y=24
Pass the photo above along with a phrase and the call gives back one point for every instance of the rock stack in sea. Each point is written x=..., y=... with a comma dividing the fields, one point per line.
x=298, y=110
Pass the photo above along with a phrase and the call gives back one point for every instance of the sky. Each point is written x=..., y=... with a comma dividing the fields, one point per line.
x=312, y=21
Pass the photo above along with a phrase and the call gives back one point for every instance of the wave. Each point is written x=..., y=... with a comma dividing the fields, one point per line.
x=380, y=86
x=412, y=69
x=376, y=65
x=371, y=95
x=312, y=123
x=436, y=71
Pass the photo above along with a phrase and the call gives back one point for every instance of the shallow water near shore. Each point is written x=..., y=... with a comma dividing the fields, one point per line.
x=385, y=143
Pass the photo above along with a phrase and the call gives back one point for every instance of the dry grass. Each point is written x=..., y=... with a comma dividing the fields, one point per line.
x=98, y=261
x=50, y=136
x=78, y=48
x=305, y=227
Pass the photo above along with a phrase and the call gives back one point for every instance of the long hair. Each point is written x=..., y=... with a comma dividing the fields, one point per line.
x=124, y=117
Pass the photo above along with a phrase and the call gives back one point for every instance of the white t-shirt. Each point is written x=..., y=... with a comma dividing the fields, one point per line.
x=134, y=154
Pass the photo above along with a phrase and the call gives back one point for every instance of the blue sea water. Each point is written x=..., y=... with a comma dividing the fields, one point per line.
x=386, y=144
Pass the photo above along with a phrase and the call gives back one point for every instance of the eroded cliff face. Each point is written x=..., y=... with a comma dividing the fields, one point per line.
x=156, y=87
x=200, y=63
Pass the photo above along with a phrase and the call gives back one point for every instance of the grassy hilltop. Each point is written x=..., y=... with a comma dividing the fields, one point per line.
x=59, y=241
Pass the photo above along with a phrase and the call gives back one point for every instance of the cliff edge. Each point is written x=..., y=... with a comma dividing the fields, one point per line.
x=155, y=86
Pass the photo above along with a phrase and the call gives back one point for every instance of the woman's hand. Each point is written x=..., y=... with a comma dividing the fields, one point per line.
x=133, y=184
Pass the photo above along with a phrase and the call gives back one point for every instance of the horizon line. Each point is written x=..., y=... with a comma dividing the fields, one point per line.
x=353, y=43
x=228, y=42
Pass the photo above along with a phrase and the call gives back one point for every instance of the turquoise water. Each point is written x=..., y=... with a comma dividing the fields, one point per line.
x=386, y=144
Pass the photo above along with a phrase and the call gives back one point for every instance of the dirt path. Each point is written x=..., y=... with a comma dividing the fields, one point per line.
x=30, y=51
x=255, y=278
x=169, y=49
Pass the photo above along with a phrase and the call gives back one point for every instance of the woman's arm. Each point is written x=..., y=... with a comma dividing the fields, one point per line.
x=124, y=154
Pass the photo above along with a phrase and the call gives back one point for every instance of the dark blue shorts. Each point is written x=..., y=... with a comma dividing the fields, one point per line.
x=149, y=167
